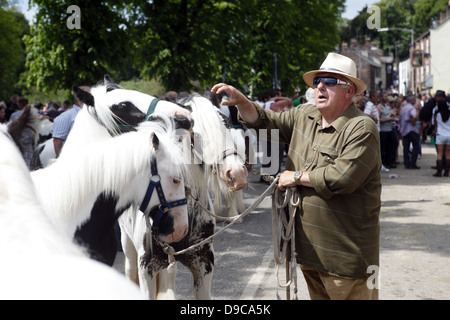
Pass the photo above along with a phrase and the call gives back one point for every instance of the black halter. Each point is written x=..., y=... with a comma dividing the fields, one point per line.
x=164, y=206
x=151, y=109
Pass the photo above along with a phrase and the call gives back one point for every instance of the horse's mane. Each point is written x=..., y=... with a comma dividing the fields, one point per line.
x=210, y=125
x=214, y=136
x=101, y=112
x=107, y=166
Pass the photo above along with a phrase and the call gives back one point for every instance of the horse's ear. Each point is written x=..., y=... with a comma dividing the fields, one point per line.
x=84, y=96
x=155, y=141
x=107, y=79
x=110, y=84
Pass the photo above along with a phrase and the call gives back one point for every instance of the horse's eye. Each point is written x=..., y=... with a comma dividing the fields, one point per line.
x=176, y=180
x=123, y=105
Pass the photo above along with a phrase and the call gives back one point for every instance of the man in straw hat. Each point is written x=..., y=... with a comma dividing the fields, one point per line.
x=334, y=161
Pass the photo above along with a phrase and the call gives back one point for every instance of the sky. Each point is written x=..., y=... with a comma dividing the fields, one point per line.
x=22, y=5
x=352, y=7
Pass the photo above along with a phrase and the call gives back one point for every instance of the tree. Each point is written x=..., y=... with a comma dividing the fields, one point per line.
x=185, y=44
x=300, y=32
x=393, y=13
x=426, y=11
x=13, y=26
x=184, y=41
x=59, y=57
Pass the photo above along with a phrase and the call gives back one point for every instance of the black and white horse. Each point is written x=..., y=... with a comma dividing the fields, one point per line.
x=110, y=110
x=86, y=190
x=39, y=261
x=215, y=161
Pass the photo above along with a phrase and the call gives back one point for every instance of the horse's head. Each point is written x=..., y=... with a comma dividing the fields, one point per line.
x=218, y=145
x=121, y=110
x=166, y=189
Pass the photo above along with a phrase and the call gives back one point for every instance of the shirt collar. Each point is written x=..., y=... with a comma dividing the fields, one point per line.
x=337, y=124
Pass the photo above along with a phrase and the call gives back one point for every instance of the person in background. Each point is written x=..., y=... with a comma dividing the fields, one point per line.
x=22, y=102
x=387, y=133
x=3, y=112
x=442, y=128
x=409, y=132
x=371, y=107
x=11, y=106
x=64, y=122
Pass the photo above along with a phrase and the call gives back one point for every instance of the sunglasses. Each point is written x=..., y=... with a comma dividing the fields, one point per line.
x=328, y=81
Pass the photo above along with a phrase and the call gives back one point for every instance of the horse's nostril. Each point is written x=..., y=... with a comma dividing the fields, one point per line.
x=229, y=176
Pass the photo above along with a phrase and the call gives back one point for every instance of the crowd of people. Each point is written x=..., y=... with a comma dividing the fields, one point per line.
x=402, y=120
x=23, y=119
x=409, y=120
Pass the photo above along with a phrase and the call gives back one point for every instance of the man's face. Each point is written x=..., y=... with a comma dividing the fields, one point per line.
x=332, y=99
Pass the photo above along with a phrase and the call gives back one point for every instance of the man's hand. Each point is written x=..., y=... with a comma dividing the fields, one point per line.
x=286, y=180
x=236, y=98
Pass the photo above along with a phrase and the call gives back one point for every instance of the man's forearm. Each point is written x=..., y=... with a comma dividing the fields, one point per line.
x=247, y=112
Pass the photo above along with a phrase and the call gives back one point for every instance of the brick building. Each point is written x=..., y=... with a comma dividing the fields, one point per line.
x=374, y=68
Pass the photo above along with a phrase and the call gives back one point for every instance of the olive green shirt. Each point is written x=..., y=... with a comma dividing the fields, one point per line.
x=337, y=230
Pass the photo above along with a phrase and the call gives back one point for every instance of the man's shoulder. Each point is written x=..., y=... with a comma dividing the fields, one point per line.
x=360, y=120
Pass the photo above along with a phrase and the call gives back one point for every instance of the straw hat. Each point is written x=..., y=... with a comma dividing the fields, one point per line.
x=338, y=64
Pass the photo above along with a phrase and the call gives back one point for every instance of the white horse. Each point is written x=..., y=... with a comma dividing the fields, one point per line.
x=217, y=165
x=38, y=260
x=86, y=190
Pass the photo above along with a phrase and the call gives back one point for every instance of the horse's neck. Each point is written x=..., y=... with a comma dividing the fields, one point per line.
x=85, y=130
x=69, y=187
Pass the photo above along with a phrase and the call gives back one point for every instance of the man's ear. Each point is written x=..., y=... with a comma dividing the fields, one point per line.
x=351, y=90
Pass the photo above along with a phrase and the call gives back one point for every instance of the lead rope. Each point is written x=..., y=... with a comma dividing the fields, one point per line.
x=285, y=230
x=283, y=233
x=170, y=251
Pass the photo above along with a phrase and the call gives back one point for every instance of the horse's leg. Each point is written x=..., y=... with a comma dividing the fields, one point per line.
x=202, y=269
x=147, y=282
x=202, y=284
x=131, y=257
x=166, y=283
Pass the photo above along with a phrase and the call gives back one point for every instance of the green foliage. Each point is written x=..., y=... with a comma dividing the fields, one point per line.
x=407, y=14
x=13, y=26
x=152, y=87
x=426, y=11
x=59, y=57
x=182, y=41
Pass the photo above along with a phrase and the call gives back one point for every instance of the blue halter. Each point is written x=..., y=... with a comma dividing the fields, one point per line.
x=164, y=206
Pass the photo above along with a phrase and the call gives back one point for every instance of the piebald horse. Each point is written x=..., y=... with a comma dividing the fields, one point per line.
x=86, y=190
